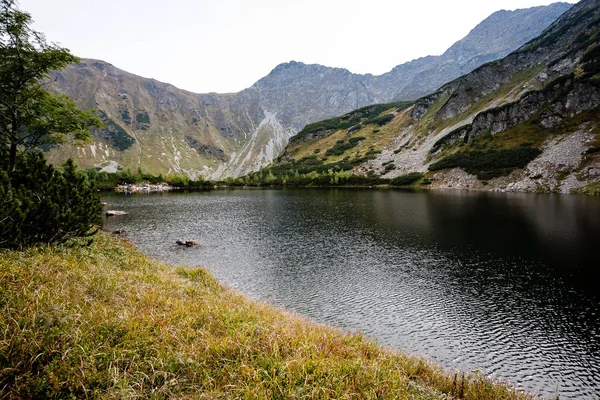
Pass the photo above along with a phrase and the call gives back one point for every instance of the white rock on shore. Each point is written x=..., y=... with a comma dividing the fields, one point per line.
x=144, y=188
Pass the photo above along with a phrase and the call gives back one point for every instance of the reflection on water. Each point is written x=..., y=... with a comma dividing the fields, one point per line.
x=501, y=283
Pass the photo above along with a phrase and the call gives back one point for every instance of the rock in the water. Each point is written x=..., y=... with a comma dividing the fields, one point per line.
x=187, y=243
x=113, y=213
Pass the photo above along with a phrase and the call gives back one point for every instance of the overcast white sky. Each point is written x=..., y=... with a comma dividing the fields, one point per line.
x=227, y=45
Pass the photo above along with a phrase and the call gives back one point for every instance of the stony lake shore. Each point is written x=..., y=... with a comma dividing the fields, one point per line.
x=144, y=188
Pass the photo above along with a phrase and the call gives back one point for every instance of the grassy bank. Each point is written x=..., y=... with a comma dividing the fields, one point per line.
x=105, y=321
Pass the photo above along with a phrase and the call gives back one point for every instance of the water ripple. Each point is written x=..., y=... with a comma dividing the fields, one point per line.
x=433, y=274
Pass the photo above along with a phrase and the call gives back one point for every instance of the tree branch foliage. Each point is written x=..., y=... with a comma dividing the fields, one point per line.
x=38, y=203
x=29, y=114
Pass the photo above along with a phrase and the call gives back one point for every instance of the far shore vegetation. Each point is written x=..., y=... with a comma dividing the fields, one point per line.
x=304, y=173
x=105, y=181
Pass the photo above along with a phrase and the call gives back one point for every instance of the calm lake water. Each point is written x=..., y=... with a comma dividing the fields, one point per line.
x=506, y=284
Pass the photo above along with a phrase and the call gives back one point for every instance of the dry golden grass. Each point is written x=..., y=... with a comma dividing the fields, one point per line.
x=105, y=321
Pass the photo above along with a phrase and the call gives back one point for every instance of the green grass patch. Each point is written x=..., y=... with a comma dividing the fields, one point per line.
x=592, y=189
x=522, y=135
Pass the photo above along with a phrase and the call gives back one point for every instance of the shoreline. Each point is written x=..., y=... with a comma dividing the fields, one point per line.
x=124, y=321
x=119, y=189
x=144, y=188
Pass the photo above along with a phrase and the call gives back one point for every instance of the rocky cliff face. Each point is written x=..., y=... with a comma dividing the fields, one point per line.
x=527, y=122
x=494, y=38
x=308, y=93
x=159, y=128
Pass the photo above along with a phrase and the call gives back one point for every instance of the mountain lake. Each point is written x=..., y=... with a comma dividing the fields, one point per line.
x=505, y=284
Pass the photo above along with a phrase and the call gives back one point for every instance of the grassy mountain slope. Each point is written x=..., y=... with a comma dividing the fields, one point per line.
x=526, y=122
x=156, y=126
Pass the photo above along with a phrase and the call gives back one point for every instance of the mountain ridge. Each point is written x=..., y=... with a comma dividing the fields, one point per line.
x=216, y=135
x=527, y=122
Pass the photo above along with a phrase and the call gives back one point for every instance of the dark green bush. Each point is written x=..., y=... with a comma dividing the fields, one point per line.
x=593, y=150
x=382, y=120
x=115, y=135
x=41, y=204
x=488, y=164
x=125, y=116
x=342, y=145
x=407, y=179
x=591, y=61
x=142, y=118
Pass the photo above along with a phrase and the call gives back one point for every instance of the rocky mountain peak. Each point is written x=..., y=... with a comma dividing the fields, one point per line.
x=502, y=32
x=298, y=73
